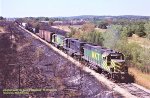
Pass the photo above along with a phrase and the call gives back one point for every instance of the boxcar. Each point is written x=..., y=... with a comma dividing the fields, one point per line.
x=48, y=36
x=41, y=34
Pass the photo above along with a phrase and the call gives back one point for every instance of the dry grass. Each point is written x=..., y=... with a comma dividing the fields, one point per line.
x=140, y=78
x=141, y=41
x=65, y=28
x=100, y=30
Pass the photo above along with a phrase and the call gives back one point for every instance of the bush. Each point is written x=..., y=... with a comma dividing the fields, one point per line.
x=91, y=37
x=1, y=18
x=129, y=34
x=135, y=55
x=94, y=37
x=112, y=36
x=141, y=34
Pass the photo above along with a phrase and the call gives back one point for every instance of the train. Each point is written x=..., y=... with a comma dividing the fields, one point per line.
x=103, y=60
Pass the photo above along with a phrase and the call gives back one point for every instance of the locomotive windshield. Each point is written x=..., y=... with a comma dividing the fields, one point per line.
x=117, y=56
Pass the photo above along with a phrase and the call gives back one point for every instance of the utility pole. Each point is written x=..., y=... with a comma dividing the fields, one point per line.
x=19, y=76
x=12, y=40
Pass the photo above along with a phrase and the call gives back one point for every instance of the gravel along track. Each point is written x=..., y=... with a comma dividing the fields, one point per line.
x=134, y=90
x=33, y=65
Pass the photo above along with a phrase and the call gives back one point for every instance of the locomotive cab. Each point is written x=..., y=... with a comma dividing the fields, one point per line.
x=114, y=62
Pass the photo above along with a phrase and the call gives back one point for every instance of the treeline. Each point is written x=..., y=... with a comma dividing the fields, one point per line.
x=130, y=27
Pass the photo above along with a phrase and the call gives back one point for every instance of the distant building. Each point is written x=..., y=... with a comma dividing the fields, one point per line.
x=47, y=22
x=10, y=19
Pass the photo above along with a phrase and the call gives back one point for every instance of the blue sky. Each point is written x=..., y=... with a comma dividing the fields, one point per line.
x=52, y=8
x=0, y=7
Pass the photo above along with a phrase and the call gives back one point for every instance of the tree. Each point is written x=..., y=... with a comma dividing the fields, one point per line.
x=140, y=31
x=126, y=31
x=73, y=32
x=46, y=19
x=147, y=29
x=111, y=36
x=140, y=34
x=103, y=25
x=88, y=27
x=51, y=21
x=1, y=18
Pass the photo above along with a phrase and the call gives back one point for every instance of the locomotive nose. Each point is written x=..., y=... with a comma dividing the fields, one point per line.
x=119, y=62
x=118, y=65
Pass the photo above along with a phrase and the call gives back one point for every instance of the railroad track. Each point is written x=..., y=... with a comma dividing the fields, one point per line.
x=128, y=90
x=135, y=90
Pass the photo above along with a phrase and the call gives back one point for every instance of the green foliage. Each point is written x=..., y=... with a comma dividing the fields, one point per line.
x=46, y=19
x=94, y=37
x=129, y=34
x=140, y=34
x=111, y=36
x=135, y=55
x=73, y=32
x=91, y=37
x=102, y=24
x=147, y=29
x=137, y=28
x=144, y=60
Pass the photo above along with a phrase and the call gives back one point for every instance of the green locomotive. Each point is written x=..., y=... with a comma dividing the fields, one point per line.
x=105, y=60
x=58, y=40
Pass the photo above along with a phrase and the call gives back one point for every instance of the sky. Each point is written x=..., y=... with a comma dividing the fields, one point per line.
x=56, y=8
x=0, y=8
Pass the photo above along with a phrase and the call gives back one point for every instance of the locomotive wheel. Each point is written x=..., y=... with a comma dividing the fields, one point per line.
x=108, y=75
x=112, y=76
x=119, y=77
x=99, y=70
x=65, y=51
x=84, y=62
